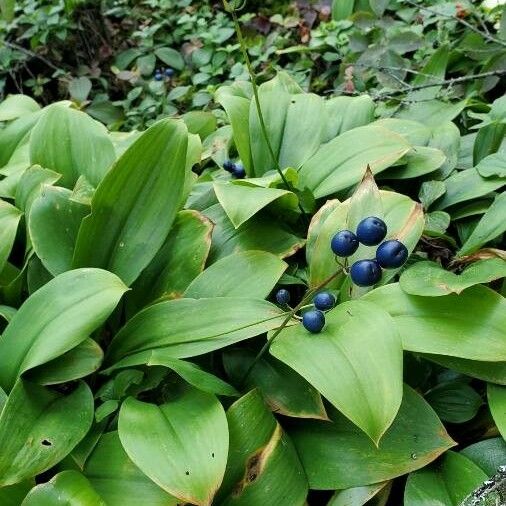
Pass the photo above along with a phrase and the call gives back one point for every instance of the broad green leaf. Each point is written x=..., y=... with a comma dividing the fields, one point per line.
x=245, y=274
x=80, y=301
x=430, y=191
x=446, y=137
x=15, y=134
x=338, y=455
x=31, y=184
x=429, y=279
x=285, y=391
x=7, y=312
x=342, y=9
x=263, y=466
x=447, y=483
x=467, y=185
x=38, y=427
x=178, y=262
x=189, y=327
x=9, y=220
x=340, y=163
x=490, y=226
x=15, y=106
x=201, y=123
x=53, y=225
x=357, y=496
x=136, y=203
x=71, y=143
x=493, y=165
x=432, y=113
x=76, y=363
x=488, y=454
x=241, y=201
x=488, y=140
x=13, y=495
x=418, y=162
x=118, y=480
x=170, y=57
x=190, y=372
x=256, y=234
x=497, y=402
x=416, y=133
x=68, y=488
x=181, y=445
x=432, y=72
x=365, y=386
x=470, y=325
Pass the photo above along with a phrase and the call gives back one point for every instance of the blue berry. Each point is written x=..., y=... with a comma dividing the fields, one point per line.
x=324, y=301
x=365, y=272
x=239, y=171
x=313, y=320
x=283, y=296
x=371, y=231
x=169, y=72
x=229, y=165
x=344, y=243
x=391, y=254
x=158, y=77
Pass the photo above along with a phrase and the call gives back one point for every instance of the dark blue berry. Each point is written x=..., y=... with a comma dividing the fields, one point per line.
x=229, y=165
x=239, y=171
x=344, y=243
x=158, y=77
x=283, y=296
x=313, y=320
x=391, y=254
x=371, y=231
x=169, y=72
x=324, y=301
x=365, y=272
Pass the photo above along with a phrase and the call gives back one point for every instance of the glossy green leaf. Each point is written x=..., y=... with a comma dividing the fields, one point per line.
x=7, y=312
x=9, y=220
x=366, y=387
x=339, y=455
x=340, y=163
x=144, y=190
x=15, y=106
x=189, y=327
x=285, y=391
x=263, y=466
x=416, y=133
x=118, y=480
x=470, y=325
x=181, y=445
x=81, y=300
x=53, y=225
x=13, y=495
x=71, y=143
x=448, y=483
x=418, y=162
x=170, y=57
x=497, y=402
x=178, y=262
x=493, y=165
x=68, y=488
x=490, y=226
x=244, y=274
x=38, y=427
x=488, y=454
x=31, y=184
x=429, y=279
x=357, y=496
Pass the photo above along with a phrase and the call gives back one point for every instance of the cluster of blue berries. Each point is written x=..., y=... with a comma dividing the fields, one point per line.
x=313, y=319
x=371, y=231
x=236, y=169
x=163, y=72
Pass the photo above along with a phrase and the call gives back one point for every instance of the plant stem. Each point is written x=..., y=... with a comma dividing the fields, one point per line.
x=290, y=315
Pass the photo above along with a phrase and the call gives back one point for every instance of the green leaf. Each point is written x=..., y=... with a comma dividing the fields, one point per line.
x=263, y=466
x=14, y=494
x=365, y=387
x=144, y=189
x=491, y=225
x=338, y=455
x=448, y=483
x=470, y=325
x=245, y=274
x=241, y=201
x=285, y=391
x=38, y=427
x=430, y=191
x=15, y=106
x=429, y=279
x=418, y=162
x=170, y=57
x=358, y=496
x=118, y=480
x=7, y=9
x=68, y=488
x=488, y=454
x=189, y=327
x=181, y=445
x=432, y=72
x=53, y=225
x=9, y=220
x=256, y=234
x=14, y=135
x=76, y=363
x=342, y=9
x=201, y=123
x=340, y=163
x=80, y=301
x=71, y=143
x=416, y=133
x=432, y=113
x=7, y=312
x=454, y=402
x=488, y=140
x=497, y=402
x=493, y=165
x=178, y=262
x=31, y=184
x=79, y=88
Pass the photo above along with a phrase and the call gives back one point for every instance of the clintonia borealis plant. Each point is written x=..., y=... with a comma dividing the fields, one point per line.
x=179, y=327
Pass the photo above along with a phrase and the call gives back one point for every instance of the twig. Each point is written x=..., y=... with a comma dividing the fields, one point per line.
x=388, y=67
x=12, y=45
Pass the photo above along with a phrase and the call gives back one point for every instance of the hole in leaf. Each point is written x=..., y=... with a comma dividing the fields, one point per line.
x=212, y=455
x=45, y=442
x=187, y=473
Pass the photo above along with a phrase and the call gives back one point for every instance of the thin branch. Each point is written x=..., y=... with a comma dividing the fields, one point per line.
x=13, y=45
x=388, y=67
